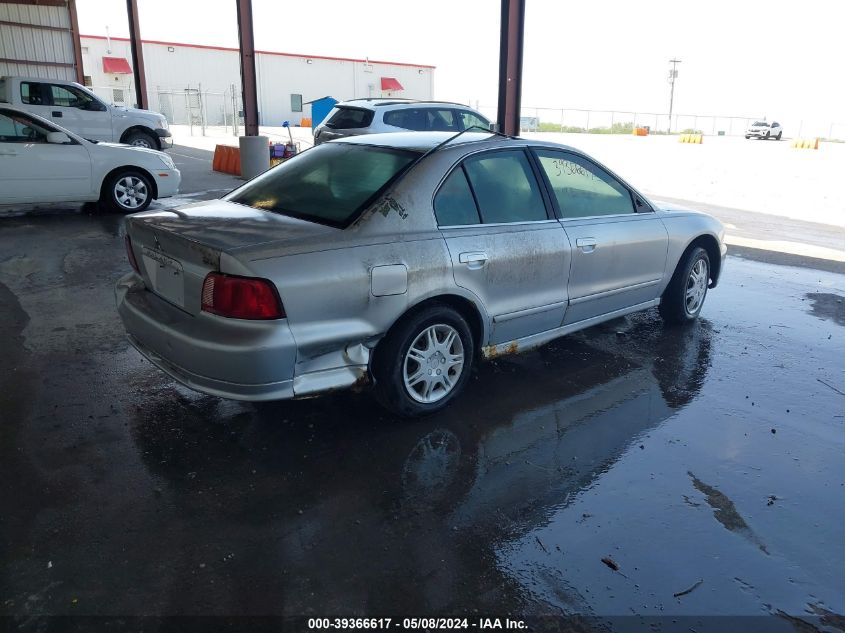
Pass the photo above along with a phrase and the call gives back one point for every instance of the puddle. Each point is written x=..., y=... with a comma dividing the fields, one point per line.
x=725, y=512
x=828, y=306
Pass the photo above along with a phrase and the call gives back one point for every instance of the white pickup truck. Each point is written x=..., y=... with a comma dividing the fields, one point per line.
x=79, y=110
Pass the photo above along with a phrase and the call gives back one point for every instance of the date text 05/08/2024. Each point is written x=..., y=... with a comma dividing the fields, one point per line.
x=413, y=624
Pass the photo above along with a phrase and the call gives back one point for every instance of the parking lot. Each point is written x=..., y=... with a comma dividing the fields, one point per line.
x=630, y=470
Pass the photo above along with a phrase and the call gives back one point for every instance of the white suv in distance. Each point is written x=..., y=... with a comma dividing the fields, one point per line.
x=374, y=116
x=761, y=129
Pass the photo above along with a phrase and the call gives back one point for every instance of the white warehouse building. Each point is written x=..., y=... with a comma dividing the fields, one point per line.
x=193, y=84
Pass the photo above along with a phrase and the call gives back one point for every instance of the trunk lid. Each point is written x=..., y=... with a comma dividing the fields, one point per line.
x=175, y=249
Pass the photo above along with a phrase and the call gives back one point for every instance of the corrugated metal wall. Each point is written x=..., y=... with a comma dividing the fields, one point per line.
x=173, y=69
x=52, y=47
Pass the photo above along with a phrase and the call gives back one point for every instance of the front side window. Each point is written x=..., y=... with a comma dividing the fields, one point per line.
x=469, y=119
x=31, y=93
x=505, y=187
x=70, y=97
x=19, y=128
x=454, y=204
x=583, y=189
x=349, y=118
x=441, y=121
x=329, y=184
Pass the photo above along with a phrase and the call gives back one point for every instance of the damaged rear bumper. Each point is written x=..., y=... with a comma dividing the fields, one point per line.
x=230, y=358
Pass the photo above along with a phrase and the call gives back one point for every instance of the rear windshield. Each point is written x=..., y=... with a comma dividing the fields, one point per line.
x=350, y=118
x=330, y=184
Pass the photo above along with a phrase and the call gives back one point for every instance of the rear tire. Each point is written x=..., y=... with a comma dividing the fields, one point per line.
x=127, y=191
x=424, y=362
x=684, y=296
x=779, y=135
x=747, y=137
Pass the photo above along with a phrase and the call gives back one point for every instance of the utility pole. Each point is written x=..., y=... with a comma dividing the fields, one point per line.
x=673, y=75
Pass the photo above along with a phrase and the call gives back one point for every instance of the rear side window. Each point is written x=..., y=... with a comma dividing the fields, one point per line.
x=582, y=188
x=330, y=184
x=31, y=93
x=454, y=204
x=408, y=119
x=505, y=187
x=349, y=118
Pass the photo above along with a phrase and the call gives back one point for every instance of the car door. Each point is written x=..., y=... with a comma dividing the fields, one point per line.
x=33, y=170
x=619, y=245
x=506, y=247
x=80, y=112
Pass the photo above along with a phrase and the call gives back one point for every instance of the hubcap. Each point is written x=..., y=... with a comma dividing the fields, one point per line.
x=697, y=286
x=141, y=142
x=433, y=364
x=131, y=192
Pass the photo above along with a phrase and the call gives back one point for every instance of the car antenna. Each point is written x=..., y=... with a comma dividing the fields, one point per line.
x=454, y=136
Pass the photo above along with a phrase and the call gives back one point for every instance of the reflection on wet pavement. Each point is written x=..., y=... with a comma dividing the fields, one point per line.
x=711, y=453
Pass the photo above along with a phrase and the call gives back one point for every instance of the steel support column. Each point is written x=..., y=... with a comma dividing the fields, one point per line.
x=510, y=65
x=77, y=44
x=137, y=54
x=249, y=85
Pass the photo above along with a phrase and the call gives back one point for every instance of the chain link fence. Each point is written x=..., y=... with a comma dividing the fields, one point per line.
x=575, y=120
x=199, y=109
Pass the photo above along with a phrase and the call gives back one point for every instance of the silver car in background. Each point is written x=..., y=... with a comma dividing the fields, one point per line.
x=400, y=259
x=376, y=116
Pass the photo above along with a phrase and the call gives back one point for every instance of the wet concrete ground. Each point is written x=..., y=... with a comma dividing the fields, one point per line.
x=604, y=475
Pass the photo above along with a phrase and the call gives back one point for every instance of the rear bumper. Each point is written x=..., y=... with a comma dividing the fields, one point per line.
x=231, y=358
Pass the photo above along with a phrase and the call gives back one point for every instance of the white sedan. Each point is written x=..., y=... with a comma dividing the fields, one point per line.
x=42, y=162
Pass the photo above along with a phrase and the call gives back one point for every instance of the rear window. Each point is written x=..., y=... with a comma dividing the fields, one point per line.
x=329, y=184
x=349, y=118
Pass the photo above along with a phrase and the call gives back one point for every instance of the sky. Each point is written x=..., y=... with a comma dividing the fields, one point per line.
x=769, y=59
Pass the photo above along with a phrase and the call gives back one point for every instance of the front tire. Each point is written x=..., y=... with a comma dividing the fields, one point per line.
x=684, y=296
x=141, y=139
x=424, y=363
x=127, y=191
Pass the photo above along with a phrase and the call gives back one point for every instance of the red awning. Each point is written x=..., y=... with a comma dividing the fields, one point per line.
x=389, y=83
x=116, y=65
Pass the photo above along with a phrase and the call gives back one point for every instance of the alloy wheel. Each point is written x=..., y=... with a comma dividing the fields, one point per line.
x=696, y=286
x=433, y=363
x=131, y=192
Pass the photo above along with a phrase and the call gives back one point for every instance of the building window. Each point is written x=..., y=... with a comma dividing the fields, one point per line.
x=87, y=80
x=296, y=103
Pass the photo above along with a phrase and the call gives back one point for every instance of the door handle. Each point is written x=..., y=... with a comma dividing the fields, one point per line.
x=57, y=114
x=586, y=244
x=475, y=259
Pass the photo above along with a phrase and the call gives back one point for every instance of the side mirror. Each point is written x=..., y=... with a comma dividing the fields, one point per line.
x=58, y=138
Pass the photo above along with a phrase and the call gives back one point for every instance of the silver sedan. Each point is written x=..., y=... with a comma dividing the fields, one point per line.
x=399, y=260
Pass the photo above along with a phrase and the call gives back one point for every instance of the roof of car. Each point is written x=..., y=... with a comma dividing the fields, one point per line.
x=387, y=101
x=424, y=141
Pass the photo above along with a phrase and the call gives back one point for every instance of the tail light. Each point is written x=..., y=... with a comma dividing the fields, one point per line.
x=241, y=297
x=131, y=254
